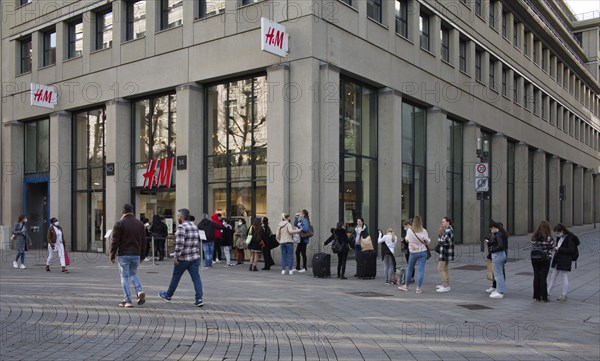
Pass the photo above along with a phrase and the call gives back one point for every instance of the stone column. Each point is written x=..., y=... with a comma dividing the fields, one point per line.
x=539, y=187
x=578, y=195
x=521, y=189
x=596, y=205
x=499, y=173
x=437, y=160
x=190, y=143
x=60, y=185
x=567, y=205
x=12, y=170
x=414, y=12
x=471, y=207
x=553, y=190
x=588, y=197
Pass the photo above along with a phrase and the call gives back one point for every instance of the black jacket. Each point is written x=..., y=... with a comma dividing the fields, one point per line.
x=159, y=231
x=564, y=256
x=227, y=237
x=341, y=235
x=209, y=227
x=498, y=243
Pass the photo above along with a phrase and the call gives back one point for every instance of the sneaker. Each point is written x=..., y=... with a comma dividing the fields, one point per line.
x=291, y=272
x=125, y=304
x=128, y=305
x=443, y=289
x=141, y=298
x=15, y=264
x=490, y=290
x=496, y=295
x=217, y=261
x=302, y=270
x=403, y=288
x=439, y=286
x=387, y=283
x=164, y=296
x=199, y=303
x=562, y=298
x=230, y=265
x=282, y=272
x=22, y=266
x=419, y=290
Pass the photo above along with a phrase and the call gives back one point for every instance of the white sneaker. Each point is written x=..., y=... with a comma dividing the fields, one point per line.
x=217, y=261
x=15, y=264
x=438, y=286
x=22, y=266
x=302, y=270
x=496, y=295
x=282, y=271
x=490, y=290
x=443, y=289
x=291, y=272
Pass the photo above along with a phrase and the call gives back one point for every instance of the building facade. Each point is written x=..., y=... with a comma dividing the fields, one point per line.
x=375, y=112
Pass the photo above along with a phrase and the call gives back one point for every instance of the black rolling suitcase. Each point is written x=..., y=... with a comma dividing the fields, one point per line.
x=321, y=265
x=366, y=264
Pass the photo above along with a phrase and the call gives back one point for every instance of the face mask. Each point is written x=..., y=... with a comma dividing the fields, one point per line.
x=559, y=234
x=56, y=224
x=240, y=223
x=25, y=220
x=494, y=230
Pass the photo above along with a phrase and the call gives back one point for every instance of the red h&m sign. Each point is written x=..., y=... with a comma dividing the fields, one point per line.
x=43, y=95
x=273, y=38
x=159, y=173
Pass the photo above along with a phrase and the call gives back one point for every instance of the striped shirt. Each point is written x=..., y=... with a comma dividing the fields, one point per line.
x=187, y=238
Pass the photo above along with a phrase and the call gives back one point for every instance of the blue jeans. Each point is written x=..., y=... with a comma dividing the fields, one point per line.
x=21, y=255
x=208, y=247
x=498, y=261
x=412, y=260
x=287, y=256
x=193, y=268
x=128, y=266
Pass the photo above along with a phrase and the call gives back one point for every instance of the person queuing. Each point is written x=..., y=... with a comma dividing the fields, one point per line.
x=56, y=248
x=388, y=244
x=498, y=247
x=19, y=234
x=159, y=231
x=254, y=246
x=418, y=239
x=360, y=231
x=266, y=250
x=208, y=246
x=406, y=225
x=285, y=233
x=340, y=235
x=303, y=222
x=564, y=252
x=227, y=241
x=241, y=232
x=217, y=252
x=541, y=248
x=446, y=253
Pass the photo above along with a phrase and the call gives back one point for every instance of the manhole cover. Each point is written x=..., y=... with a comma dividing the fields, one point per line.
x=471, y=267
x=369, y=294
x=476, y=307
x=524, y=274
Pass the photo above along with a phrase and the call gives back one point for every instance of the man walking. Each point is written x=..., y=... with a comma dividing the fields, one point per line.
x=186, y=258
x=129, y=243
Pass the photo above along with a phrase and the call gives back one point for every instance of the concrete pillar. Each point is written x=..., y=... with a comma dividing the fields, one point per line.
x=60, y=185
x=89, y=40
x=521, y=189
x=471, y=207
x=153, y=24
x=437, y=159
x=454, y=48
x=539, y=187
x=553, y=190
x=596, y=205
x=567, y=205
x=578, y=196
x=190, y=142
x=435, y=25
x=499, y=173
x=118, y=151
x=12, y=170
x=119, y=9
x=414, y=12
x=588, y=197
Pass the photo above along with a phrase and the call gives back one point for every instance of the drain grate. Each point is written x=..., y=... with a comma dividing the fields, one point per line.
x=474, y=307
x=369, y=294
x=524, y=274
x=471, y=267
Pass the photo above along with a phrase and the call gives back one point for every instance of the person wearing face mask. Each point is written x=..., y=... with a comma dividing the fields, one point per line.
x=187, y=257
x=241, y=232
x=19, y=234
x=360, y=231
x=565, y=250
x=497, y=247
x=56, y=246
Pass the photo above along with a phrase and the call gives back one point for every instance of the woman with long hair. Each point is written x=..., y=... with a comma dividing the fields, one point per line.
x=565, y=250
x=19, y=233
x=302, y=222
x=388, y=244
x=497, y=247
x=418, y=239
x=446, y=248
x=254, y=246
x=541, y=247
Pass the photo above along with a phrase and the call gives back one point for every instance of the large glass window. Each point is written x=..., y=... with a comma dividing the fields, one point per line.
x=104, y=25
x=211, y=7
x=424, y=30
x=37, y=146
x=445, y=44
x=402, y=17
x=414, y=154
x=236, y=148
x=454, y=177
x=358, y=153
x=25, y=55
x=510, y=195
x=171, y=13
x=478, y=7
x=516, y=34
x=49, y=48
x=89, y=134
x=374, y=10
x=136, y=19
x=462, y=54
x=75, y=38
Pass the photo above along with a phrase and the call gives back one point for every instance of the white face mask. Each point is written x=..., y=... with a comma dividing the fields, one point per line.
x=56, y=224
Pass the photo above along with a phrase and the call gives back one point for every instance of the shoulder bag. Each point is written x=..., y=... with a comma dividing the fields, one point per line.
x=308, y=234
x=249, y=238
x=425, y=244
x=366, y=244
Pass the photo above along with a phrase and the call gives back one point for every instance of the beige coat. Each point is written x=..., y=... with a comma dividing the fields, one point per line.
x=285, y=230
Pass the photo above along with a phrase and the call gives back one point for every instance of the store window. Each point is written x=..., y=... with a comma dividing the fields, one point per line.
x=414, y=154
x=236, y=148
x=358, y=153
x=154, y=120
x=454, y=177
x=89, y=134
x=37, y=147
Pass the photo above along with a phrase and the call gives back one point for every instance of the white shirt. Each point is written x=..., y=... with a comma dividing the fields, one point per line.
x=389, y=241
x=358, y=231
x=58, y=235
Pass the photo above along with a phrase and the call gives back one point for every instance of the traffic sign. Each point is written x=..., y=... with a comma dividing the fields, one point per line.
x=482, y=185
x=481, y=170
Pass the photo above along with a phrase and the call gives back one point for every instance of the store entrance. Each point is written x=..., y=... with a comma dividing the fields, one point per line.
x=36, y=210
x=162, y=203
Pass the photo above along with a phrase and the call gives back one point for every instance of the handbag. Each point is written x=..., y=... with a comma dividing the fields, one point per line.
x=425, y=244
x=438, y=248
x=366, y=244
x=272, y=242
x=249, y=238
x=67, y=261
x=490, y=271
x=296, y=238
x=308, y=234
x=336, y=246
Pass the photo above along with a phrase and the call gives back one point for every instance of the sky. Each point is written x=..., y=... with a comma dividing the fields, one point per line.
x=583, y=6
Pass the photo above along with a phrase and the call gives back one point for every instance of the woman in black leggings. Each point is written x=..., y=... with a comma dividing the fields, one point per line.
x=302, y=222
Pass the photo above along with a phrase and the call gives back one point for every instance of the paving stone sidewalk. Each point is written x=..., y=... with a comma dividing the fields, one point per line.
x=269, y=316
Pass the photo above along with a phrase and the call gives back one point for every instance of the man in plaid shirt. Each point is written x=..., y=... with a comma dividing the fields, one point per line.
x=187, y=257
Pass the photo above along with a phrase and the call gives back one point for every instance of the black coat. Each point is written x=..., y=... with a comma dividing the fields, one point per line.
x=564, y=256
x=341, y=235
x=227, y=237
x=209, y=227
x=159, y=231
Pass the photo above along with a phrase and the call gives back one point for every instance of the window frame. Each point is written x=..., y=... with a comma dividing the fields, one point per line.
x=479, y=65
x=72, y=39
x=401, y=15
x=164, y=12
x=101, y=29
x=25, y=54
x=445, y=44
x=203, y=9
x=49, y=52
x=462, y=55
x=130, y=20
x=375, y=7
x=424, y=31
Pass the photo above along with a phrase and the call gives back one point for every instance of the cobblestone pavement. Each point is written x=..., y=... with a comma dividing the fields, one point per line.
x=269, y=316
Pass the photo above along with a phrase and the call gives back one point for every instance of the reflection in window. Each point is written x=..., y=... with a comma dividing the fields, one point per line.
x=236, y=147
x=104, y=25
x=402, y=17
x=454, y=176
x=414, y=152
x=49, y=48
x=25, y=55
x=136, y=19
x=37, y=146
x=75, y=38
x=211, y=7
x=171, y=13
x=154, y=122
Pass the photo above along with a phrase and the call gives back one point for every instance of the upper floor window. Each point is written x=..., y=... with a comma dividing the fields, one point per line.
x=247, y=2
x=374, y=10
x=424, y=29
x=579, y=38
x=25, y=55
x=349, y=2
x=516, y=92
x=504, y=81
x=478, y=70
x=136, y=19
x=23, y=2
x=478, y=7
x=171, y=13
x=445, y=44
x=402, y=17
x=104, y=26
x=49, y=48
x=505, y=24
x=492, y=75
x=526, y=44
x=516, y=34
x=492, y=14
x=211, y=7
x=75, y=37
x=37, y=146
x=462, y=54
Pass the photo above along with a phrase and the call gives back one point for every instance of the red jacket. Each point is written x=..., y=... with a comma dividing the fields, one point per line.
x=218, y=233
